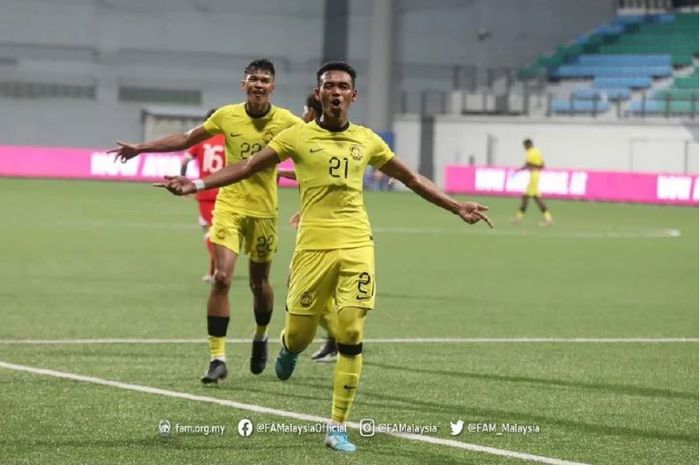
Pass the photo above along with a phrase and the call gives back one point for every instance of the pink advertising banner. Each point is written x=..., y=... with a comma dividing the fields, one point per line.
x=81, y=163
x=674, y=189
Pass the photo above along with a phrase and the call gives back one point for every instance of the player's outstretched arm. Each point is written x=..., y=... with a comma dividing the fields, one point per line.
x=230, y=174
x=470, y=212
x=126, y=151
x=287, y=173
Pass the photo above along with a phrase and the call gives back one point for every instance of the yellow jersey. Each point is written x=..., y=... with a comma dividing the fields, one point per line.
x=330, y=168
x=533, y=156
x=246, y=135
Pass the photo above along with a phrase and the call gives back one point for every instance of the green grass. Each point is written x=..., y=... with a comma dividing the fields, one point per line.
x=108, y=260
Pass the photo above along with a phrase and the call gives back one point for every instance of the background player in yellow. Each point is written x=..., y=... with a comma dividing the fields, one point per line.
x=334, y=254
x=245, y=214
x=533, y=163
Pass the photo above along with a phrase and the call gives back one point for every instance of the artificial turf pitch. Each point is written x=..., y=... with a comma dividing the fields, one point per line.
x=84, y=260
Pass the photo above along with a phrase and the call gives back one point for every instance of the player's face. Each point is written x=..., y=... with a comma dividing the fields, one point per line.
x=258, y=86
x=336, y=92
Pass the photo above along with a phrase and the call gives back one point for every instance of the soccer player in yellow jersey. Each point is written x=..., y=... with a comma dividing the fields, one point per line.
x=328, y=351
x=334, y=254
x=534, y=163
x=245, y=214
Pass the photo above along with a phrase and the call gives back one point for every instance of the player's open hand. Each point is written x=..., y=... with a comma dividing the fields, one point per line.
x=177, y=185
x=294, y=220
x=124, y=152
x=473, y=212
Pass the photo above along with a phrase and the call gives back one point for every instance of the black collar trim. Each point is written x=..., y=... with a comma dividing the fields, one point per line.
x=323, y=126
x=257, y=115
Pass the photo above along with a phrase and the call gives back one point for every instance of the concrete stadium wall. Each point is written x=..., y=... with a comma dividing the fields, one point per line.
x=407, y=140
x=169, y=44
x=432, y=38
x=493, y=33
x=184, y=44
x=658, y=147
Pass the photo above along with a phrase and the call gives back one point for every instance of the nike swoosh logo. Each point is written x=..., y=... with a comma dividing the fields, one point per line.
x=349, y=387
x=315, y=150
x=235, y=135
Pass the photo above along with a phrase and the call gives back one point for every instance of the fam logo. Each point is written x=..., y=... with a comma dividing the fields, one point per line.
x=355, y=152
x=306, y=299
x=267, y=137
x=164, y=427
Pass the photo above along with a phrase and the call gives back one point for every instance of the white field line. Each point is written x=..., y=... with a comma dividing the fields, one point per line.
x=282, y=413
x=420, y=340
x=592, y=233
x=631, y=233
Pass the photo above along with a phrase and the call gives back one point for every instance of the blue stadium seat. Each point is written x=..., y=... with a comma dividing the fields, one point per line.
x=610, y=29
x=582, y=39
x=622, y=93
x=622, y=82
x=583, y=71
x=588, y=93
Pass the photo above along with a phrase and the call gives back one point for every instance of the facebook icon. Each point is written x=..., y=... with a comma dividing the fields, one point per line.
x=245, y=427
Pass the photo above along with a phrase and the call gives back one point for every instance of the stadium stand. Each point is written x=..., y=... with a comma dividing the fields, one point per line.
x=679, y=98
x=640, y=62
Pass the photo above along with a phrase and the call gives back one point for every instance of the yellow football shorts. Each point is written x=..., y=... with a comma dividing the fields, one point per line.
x=256, y=236
x=533, y=187
x=344, y=277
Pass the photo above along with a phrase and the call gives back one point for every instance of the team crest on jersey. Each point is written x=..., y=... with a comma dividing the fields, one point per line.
x=305, y=299
x=267, y=137
x=220, y=233
x=356, y=152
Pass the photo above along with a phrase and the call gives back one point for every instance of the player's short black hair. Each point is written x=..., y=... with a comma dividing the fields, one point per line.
x=336, y=66
x=527, y=142
x=313, y=103
x=211, y=112
x=260, y=65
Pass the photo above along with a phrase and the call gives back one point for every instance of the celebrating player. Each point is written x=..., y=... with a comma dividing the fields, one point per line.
x=245, y=215
x=334, y=253
x=328, y=350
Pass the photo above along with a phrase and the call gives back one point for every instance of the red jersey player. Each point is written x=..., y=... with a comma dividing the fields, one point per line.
x=210, y=157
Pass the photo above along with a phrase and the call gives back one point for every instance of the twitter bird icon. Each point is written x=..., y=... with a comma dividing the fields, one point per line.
x=456, y=428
